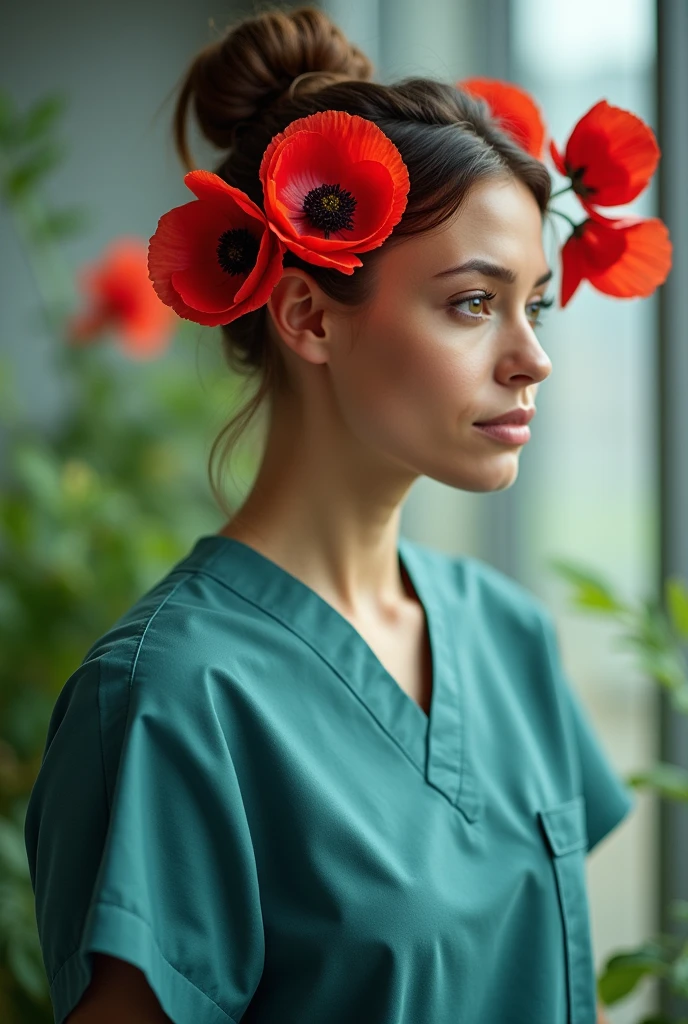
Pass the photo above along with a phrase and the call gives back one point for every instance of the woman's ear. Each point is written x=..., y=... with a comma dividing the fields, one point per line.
x=297, y=305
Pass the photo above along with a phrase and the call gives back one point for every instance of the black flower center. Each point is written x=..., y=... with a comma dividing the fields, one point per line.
x=237, y=251
x=579, y=187
x=330, y=208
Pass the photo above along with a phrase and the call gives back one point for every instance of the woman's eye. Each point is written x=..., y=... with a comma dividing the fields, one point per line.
x=541, y=304
x=477, y=299
x=475, y=303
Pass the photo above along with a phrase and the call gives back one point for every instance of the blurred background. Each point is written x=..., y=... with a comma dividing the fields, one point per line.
x=104, y=444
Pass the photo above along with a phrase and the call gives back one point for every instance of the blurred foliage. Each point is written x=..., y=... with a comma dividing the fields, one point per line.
x=656, y=632
x=92, y=513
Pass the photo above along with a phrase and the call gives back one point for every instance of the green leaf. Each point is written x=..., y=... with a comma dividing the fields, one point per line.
x=12, y=849
x=39, y=471
x=592, y=591
x=59, y=224
x=669, y=780
x=11, y=609
x=22, y=178
x=25, y=129
x=664, y=666
x=623, y=971
x=27, y=968
x=655, y=624
x=676, y=595
x=42, y=116
x=679, y=975
x=658, y=651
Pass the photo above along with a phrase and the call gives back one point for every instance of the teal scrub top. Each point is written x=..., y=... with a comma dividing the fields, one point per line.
x=238, y=798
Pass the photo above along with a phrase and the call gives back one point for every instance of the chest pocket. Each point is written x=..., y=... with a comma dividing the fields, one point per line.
x=567, y=840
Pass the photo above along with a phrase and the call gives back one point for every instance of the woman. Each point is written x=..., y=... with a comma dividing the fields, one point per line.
x=320, y=772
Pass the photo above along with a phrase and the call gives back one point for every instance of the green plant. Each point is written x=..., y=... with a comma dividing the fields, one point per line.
x=92, y=512
x=655, y=631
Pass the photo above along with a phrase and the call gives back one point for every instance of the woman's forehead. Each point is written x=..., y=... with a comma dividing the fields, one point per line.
x=515, y=245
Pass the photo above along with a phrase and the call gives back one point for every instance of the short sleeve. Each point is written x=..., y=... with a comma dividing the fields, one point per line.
x=139, y=846
x=607, y=798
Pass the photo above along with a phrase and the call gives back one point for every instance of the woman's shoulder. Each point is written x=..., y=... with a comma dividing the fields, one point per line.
x=170, y=656
x=183, y=620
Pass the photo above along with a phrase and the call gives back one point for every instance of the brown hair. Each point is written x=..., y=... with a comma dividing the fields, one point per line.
x=271, y=68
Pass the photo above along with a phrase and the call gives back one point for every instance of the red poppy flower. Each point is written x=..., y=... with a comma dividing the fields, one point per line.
x=514, y=108
x=333, y=185
x=121, y=298
x=626, y=257
x=214, y=259
x=610, y=156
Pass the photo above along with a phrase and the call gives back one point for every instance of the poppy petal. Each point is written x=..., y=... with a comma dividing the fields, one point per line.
x=326, y=148
x=213, y=189
x=339, y=260
x=351, y=135
x=206, y=286
x=514, y=108
x=355, y=137
x=371, y=185
x=261, y=287
x=613, y=153
x=572, y=269
x=309, y=151
x=625, y=257
x=290, y=197
x=557, y=158
x=184, y=265
x=288, y=209
x=209, y=288
x=185, y=243
x=144, y=348
x=266, y=272
x=147, y=334
x=303, y=163
x=644, y=264
x=122, y=300
x=172, y=298
x=588, y=252
x=88, y=324
x=189, y=234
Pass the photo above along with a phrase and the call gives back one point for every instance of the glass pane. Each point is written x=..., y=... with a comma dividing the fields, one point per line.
x=587, y=489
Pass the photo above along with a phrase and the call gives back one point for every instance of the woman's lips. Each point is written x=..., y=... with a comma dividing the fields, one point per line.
x=507, y=433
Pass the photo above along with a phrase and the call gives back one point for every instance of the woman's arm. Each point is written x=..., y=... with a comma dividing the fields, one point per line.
x=118, y=992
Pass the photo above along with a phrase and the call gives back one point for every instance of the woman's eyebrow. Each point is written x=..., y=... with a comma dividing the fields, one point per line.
x=490, y=270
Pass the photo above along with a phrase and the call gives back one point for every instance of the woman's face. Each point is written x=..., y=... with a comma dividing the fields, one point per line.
x=428, y=356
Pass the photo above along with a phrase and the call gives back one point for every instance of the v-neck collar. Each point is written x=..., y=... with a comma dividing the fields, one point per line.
x=438, y=744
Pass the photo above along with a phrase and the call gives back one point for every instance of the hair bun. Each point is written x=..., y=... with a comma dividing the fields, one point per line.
x=257, y=62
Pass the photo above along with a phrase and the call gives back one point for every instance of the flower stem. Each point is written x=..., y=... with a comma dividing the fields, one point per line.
x=561, y=191
x=565, y=216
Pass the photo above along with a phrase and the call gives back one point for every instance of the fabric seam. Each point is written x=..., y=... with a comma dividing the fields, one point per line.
x=110, y=903
x=100, y=732
x=132, y=673
x=227, y=586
